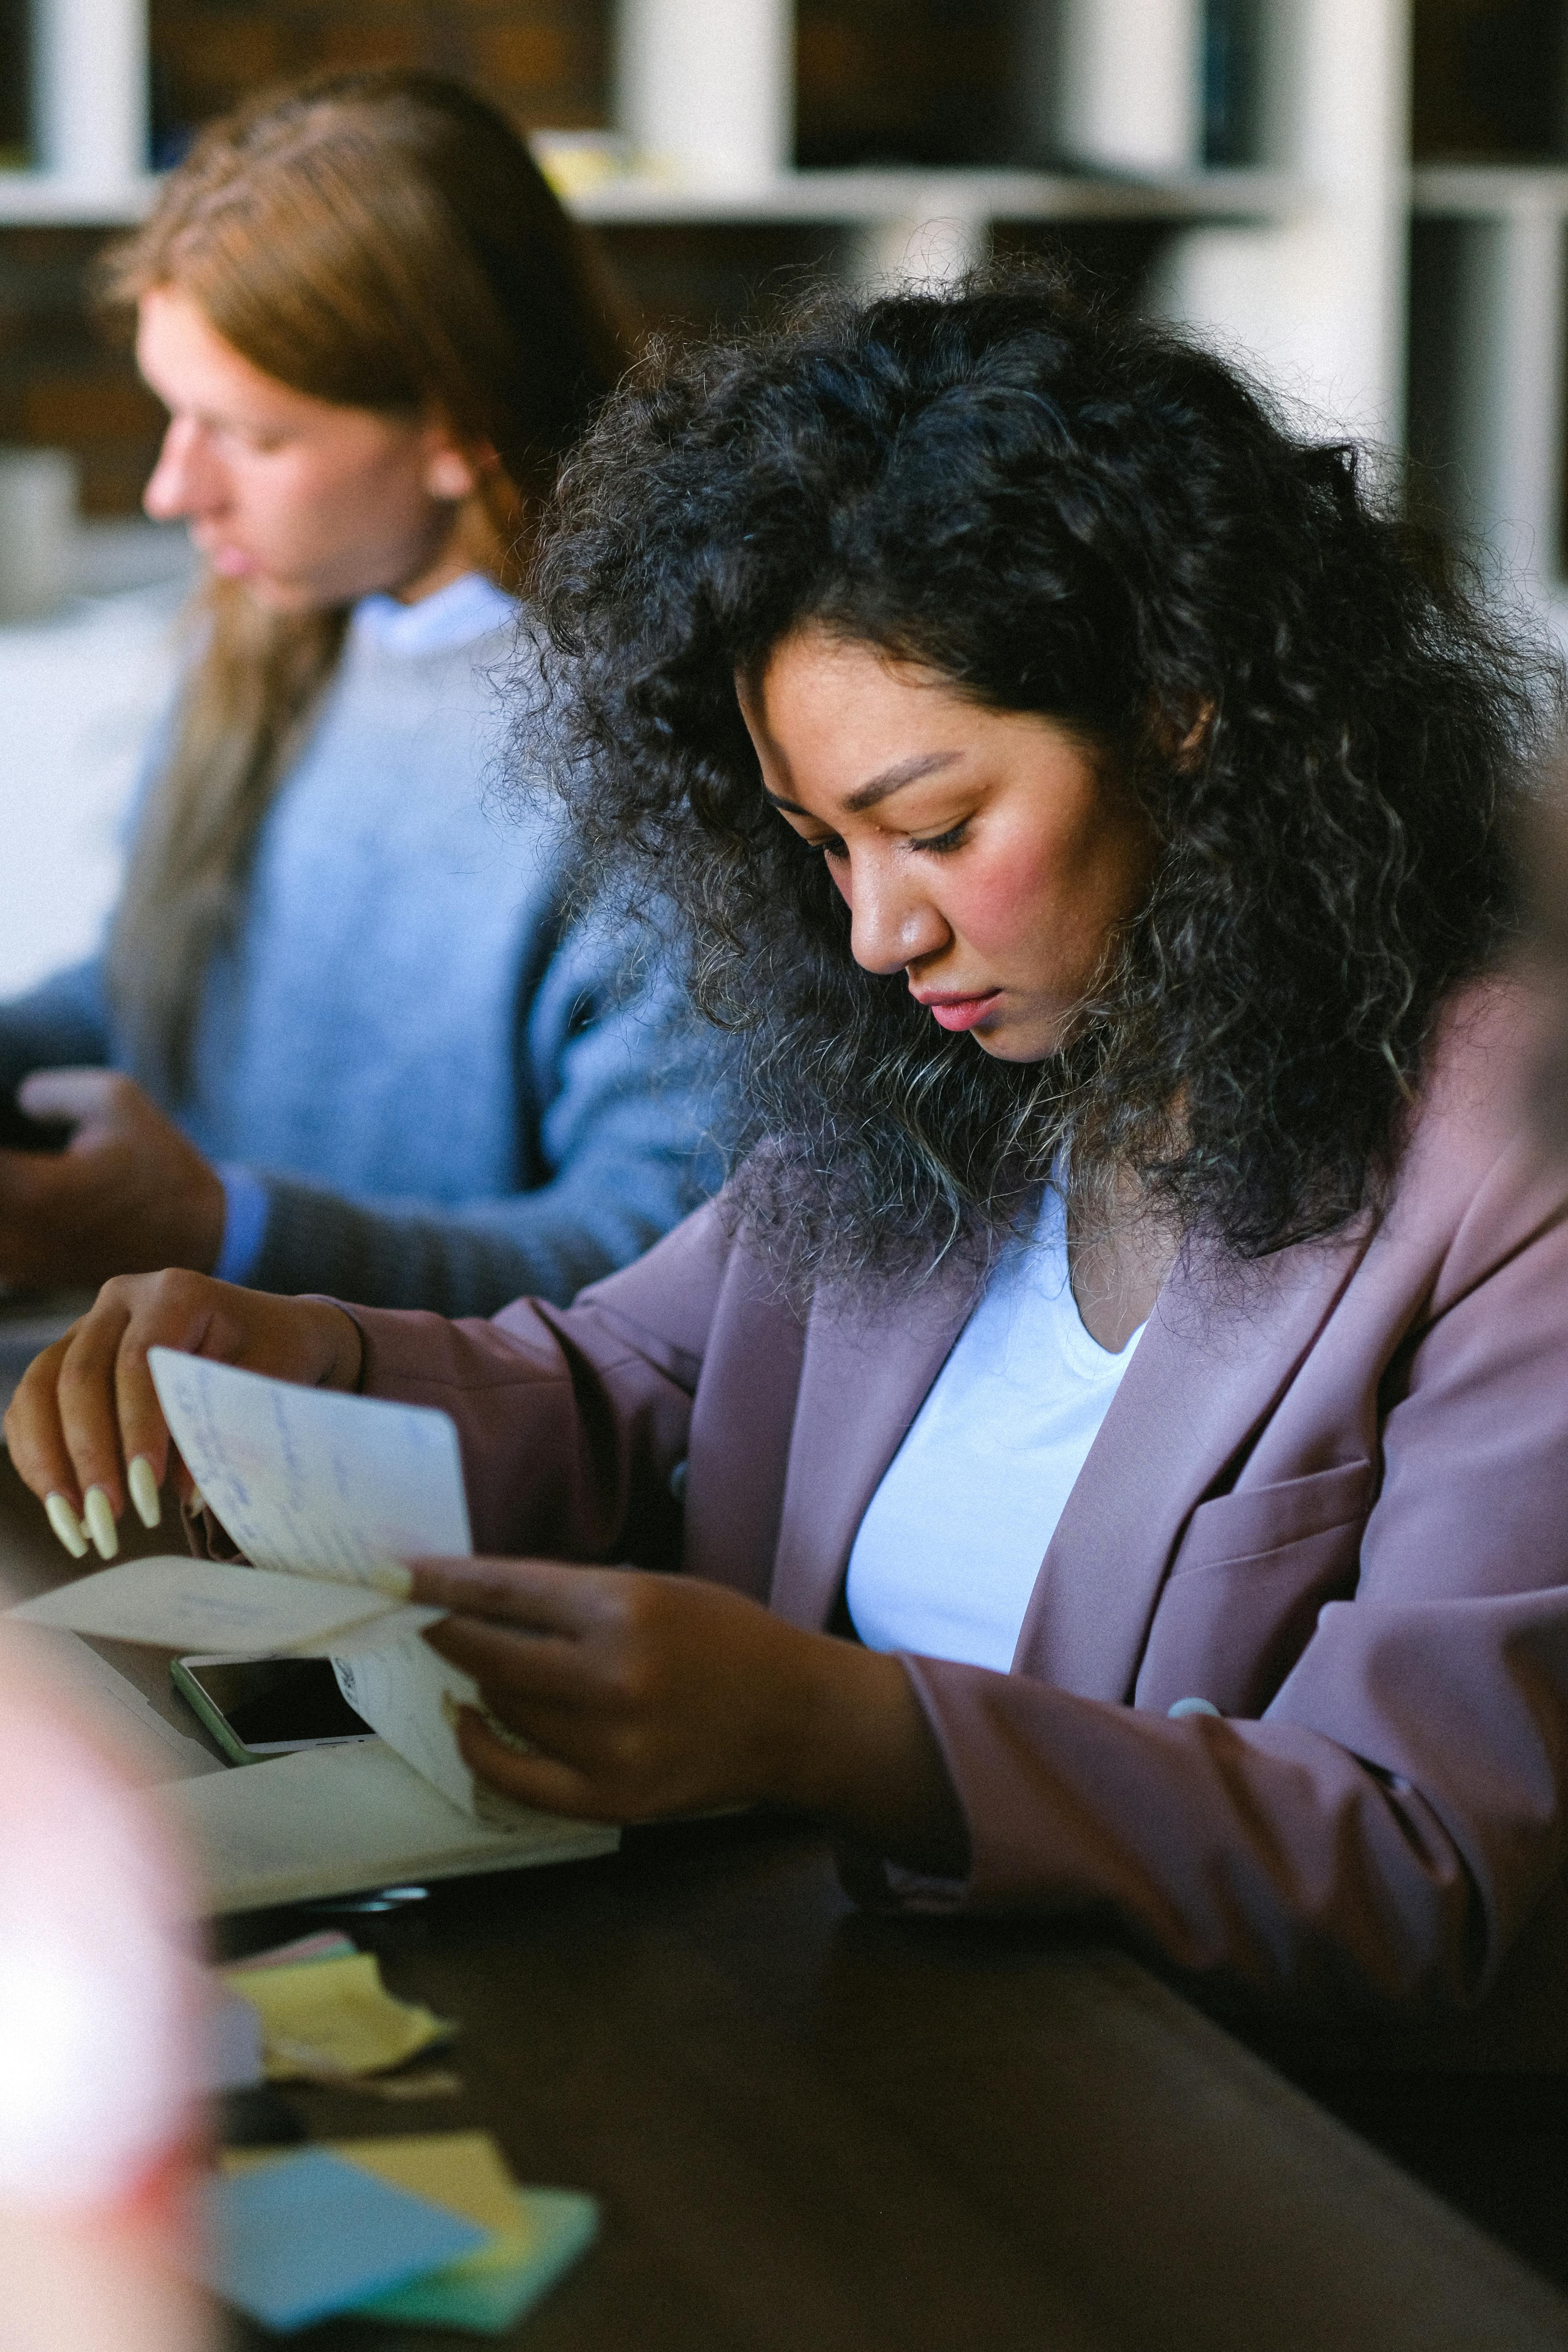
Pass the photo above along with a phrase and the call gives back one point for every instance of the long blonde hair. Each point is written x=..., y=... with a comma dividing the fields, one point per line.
x=383, y=240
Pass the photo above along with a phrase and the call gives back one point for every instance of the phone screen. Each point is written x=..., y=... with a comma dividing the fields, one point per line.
x=267, y=1706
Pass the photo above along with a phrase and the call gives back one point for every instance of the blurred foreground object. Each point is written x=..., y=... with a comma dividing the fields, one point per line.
x=101, y=2046
x=37, y=531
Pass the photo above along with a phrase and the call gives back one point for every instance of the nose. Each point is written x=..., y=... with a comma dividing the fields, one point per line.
x=892, y=919
x=184, y=480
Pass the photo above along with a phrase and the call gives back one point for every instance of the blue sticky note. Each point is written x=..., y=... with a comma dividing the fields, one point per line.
x=291, y=2241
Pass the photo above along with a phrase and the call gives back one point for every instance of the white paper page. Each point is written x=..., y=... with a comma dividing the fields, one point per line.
x=333, y=1820
x=310, y=1481
x=206, y=1605
x=412, y=1698
x=157, y=1751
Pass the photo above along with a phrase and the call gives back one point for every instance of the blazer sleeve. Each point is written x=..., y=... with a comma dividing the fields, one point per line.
x=617, y=1086
x=571, y=1421
x=1383, y=1827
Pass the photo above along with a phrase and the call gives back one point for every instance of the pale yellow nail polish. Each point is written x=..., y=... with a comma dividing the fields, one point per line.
x=66, y=1524
x=100, y=1521
x=144, y=1491
x=391, y=1577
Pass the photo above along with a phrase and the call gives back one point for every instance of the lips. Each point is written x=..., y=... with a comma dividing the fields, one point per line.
x=957, y=1012
x=229, y=562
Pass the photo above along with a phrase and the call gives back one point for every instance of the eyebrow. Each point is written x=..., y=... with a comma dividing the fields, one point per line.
x=891, y=780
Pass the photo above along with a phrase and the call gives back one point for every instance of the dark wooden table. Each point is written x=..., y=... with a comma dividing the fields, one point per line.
x=816, y=2131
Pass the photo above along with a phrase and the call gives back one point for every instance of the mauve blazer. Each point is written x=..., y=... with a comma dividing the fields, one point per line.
x=1331, y=1497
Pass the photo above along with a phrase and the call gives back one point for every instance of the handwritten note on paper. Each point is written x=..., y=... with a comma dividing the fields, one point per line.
x=206, y=1605
x=312, y=1481
x=412, y=1698
x=325, y=1493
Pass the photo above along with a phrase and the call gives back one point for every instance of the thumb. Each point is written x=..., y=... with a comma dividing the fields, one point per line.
x=83, y=1097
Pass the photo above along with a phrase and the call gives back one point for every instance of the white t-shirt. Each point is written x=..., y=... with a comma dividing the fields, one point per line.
x=951, y=1541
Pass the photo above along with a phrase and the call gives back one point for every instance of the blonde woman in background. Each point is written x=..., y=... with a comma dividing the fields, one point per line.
x=348, y=1030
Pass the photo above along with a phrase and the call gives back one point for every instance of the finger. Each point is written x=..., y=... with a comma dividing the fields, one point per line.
x=33, y=1431
x=85, y=1395
x=548, y=1595
x=145, y=1484
x=194, y=1315
x=72, y=1094
x=516, y=1666
x=144, y=1431
x=543, y=1781
x=109, y=1409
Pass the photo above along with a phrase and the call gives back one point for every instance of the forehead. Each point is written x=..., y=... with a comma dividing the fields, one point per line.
x=815, y=659
x=828, y=715
x=190, y=366
x=820, y=697
x=178, y=349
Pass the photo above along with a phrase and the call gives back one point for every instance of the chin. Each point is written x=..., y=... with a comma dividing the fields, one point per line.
x=283, y=596
x=1006, y=1044
x=1016, y=1048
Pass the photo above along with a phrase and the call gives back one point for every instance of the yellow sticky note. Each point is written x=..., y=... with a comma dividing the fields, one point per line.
x=464, y=2171
x=333, y=2016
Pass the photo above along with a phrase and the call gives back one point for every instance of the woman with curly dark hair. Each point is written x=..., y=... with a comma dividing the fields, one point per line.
x=1088, y=804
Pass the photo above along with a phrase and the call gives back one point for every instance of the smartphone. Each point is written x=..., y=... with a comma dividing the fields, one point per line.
x=20, y=1133
x=257, y=1707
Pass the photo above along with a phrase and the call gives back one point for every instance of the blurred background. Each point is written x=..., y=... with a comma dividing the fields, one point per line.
x=1365, y=198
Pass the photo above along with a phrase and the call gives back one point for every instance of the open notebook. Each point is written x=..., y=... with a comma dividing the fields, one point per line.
x=326, y=1494
x=333, y=1820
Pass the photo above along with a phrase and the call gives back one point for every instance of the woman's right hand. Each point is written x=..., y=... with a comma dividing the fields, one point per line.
x=85, y=1428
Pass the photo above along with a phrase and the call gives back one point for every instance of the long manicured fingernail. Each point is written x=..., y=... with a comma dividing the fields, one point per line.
x=391, y=1575
x=66, y=1524
x=144, y=1491
x=100, y=1523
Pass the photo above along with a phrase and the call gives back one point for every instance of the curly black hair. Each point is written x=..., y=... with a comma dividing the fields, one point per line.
x=1067, y=511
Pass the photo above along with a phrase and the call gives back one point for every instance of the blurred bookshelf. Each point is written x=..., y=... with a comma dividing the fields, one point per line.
x=73, y=110
x=1367, y=197
x=1488, y=321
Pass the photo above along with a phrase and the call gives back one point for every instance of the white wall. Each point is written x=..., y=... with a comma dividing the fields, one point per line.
x=78, y=696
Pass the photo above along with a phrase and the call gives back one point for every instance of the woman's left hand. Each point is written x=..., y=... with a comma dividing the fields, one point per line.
x=650, y=1695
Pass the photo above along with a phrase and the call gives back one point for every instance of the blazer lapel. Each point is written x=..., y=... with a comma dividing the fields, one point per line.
x=863, y=1380
x=1209, y=1368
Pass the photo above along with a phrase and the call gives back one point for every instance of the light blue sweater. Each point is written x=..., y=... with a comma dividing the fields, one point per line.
x=425, y=1082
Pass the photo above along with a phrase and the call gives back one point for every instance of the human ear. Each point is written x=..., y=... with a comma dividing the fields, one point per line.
x=449, y=476
x=453, y=472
